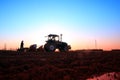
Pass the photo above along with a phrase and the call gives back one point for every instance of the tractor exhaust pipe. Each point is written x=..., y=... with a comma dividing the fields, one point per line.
x=61, y=37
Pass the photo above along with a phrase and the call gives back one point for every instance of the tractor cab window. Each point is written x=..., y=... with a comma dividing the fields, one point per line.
x=53, y=38
x=57, y=38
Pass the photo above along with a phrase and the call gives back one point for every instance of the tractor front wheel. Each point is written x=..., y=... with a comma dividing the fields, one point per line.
x=63, y=49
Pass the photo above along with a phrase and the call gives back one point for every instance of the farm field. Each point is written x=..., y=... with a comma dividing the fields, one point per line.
x=73, y=65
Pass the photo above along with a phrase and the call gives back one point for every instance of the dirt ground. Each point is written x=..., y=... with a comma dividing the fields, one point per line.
x=73, y=65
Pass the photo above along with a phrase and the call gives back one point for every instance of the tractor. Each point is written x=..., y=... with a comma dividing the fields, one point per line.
x=55, y=42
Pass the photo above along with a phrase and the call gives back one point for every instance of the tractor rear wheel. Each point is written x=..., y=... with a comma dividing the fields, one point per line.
x=49, y=47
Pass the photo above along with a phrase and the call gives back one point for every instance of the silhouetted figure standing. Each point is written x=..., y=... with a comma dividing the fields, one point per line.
x=21, y=45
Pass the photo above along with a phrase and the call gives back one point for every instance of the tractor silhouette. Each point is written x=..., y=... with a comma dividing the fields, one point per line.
x=55, y=42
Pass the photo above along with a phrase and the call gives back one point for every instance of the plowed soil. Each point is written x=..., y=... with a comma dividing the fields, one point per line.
x=74, y=65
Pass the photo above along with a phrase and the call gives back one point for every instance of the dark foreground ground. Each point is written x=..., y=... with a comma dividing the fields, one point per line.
x=76, y=65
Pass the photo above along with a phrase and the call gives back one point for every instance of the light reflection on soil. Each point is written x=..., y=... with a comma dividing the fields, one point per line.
x=107, y=76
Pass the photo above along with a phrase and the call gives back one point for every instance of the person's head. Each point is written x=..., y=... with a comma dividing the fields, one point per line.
x=22, y=40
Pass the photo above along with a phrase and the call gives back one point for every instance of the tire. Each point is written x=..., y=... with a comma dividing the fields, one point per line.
x=63, y=49
x=49, y=47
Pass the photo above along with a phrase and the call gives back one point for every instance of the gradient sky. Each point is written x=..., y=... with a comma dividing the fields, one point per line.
x=80, y=21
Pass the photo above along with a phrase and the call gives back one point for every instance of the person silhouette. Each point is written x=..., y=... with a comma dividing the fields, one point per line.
x=22, y=45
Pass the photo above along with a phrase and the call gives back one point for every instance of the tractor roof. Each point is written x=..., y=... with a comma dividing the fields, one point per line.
x=54, y=35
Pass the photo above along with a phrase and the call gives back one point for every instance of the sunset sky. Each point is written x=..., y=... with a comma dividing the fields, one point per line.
x=82, y=22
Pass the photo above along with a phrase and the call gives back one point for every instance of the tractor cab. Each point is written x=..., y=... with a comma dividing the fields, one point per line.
x=52, y=37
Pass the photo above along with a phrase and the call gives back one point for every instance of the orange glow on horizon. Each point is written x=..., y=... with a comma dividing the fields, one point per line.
x=75, y=46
